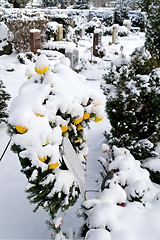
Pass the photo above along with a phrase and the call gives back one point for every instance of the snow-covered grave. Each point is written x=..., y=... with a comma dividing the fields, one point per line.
x=17, y=221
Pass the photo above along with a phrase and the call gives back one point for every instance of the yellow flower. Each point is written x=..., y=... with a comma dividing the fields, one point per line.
x=77, y=121
x=21, y=129
x=53, y=165
x=85, y=155
x=86, y=115
x=41, y=71
x=96, y=105
x=42, y=159
x=79, y=127
x=64, y=128
x=39, y=115
x=78, y=140
x=98, y=119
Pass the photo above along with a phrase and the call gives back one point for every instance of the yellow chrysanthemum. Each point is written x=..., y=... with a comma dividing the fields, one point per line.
x=85, y=155
x=64, y=128
x=53, y=165
x=96, y=105
x=79, y=127
x=86, y=116
x=42, y=159
x=78, y=140
x=98, y=119
x=21, y=129
x=39, y=115
x=41, y=71
x=77, y=121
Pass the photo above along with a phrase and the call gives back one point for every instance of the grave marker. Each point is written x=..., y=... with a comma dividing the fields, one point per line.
x=97, y=41
x=73, y=55
x=59, y=36
x=114, y=34
x=35, y=40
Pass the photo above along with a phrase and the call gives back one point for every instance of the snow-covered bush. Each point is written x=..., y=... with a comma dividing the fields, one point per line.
x=4, y=97
x=121, y=12
x=81, y=4
x=107, y=31
x=133, y=107
x=5, y=45
x=138, y=19
x=142, y=62
x=51, y=30
x=49, y=109
x=124, y=181
x=26, y=58
x=152, y=42
x=62, y=19
x=92, y=25
x=122, y=31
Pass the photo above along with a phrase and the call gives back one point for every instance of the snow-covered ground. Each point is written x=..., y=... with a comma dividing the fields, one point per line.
x=17, y=221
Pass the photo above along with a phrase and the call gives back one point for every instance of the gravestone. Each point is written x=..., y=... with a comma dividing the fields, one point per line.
x=82, y=31
x=59, y=36
x=40, y=14
x=114, y=34
x=127, y=24
x=97, y=41
x=35, y=40
x=73, y=55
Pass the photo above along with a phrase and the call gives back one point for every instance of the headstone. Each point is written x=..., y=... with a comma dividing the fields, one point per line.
x=97, y=41
x=127, y=24
x=59, y=36
x=40, y=14
x=73, y=55
x=114, y=34
x=82, y=31
x=35, y=40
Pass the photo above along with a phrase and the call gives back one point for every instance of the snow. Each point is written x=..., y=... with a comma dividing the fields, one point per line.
x=17, y=221
x=98, y=234
x=35, y=30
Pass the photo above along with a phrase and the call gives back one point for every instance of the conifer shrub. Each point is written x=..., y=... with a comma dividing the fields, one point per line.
x=152, y=42
x=133, y=107
x=4, y=97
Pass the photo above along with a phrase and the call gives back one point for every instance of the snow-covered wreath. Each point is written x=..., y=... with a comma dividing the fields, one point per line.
x=47, y=122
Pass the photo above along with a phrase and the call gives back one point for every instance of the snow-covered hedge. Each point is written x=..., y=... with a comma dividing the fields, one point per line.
x=20, y=28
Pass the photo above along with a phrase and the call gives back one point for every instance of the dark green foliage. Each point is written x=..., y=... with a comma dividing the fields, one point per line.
x=24, y=57
x=154, y=176
x=138, y=19
x=50, y=3
x=38, y=192
x=153, y=29
x=133, y=107
x=121, y=12
x=81, y=4
x=4, y=97
x=142, y=62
